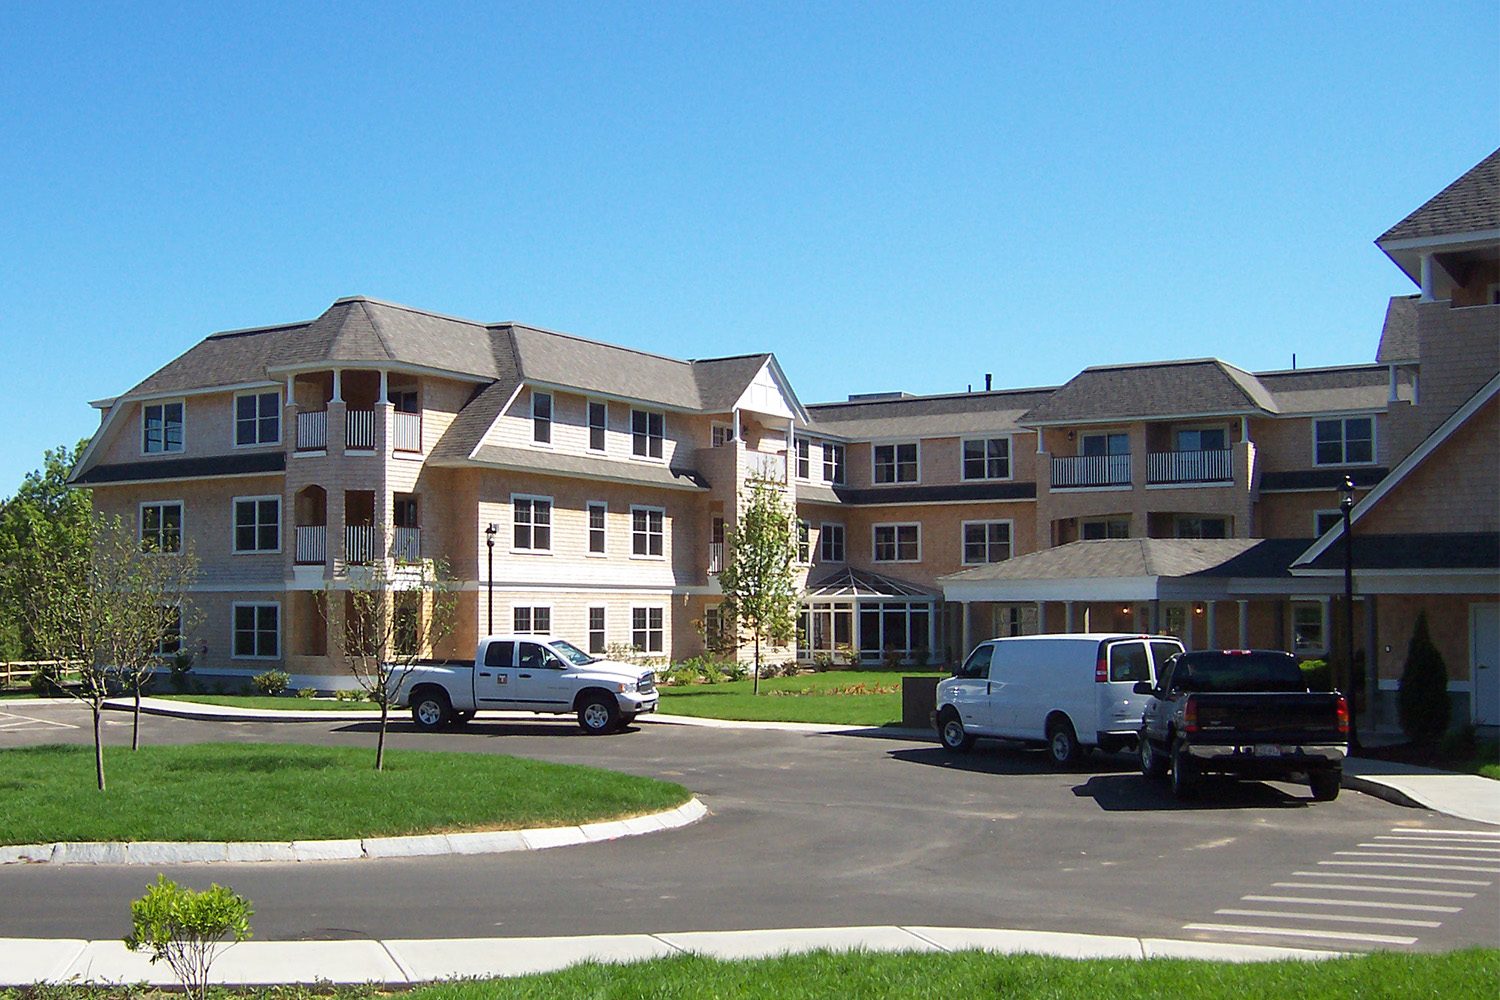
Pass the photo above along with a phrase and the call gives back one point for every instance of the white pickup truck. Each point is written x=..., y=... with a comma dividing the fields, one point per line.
x=529, y=673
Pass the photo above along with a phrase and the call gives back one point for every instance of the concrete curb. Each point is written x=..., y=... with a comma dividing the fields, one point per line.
x=426, y=845
x=24, y=961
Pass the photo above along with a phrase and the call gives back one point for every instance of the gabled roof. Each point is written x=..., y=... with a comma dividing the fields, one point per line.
x=1200, y=387
x=926, y=416
x=1398, y=337
x=1470, y=204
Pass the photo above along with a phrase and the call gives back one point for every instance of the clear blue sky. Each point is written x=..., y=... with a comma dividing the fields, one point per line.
x=888, y=196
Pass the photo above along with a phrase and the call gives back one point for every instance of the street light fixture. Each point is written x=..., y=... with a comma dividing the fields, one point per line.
x=489, y=539
x=1346, y=504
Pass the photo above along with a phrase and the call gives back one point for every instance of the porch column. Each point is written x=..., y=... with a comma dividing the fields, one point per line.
x=1041, y=617
x=384, y=384
x=1244, y=624
x=338, y=386
x=1155, y=616
x=967, y=631
x=1210, y=622
x=1067, y=616
x=1427, y=276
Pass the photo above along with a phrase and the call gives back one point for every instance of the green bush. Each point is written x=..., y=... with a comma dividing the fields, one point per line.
x=272, y=682
x=349, y=695
x=822, y=660
x=1317, y=675
x=44, y=680
x=1423, y=698
x=307, y=693
x=182, y=926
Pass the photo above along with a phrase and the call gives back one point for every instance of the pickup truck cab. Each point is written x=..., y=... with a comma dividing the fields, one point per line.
x=531, y=673
x=1243, y=712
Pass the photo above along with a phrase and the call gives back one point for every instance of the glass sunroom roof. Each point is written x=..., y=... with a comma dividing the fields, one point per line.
x=858, y=583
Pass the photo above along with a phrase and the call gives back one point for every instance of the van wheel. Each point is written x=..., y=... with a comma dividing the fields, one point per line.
x=598, y=714
x=1186, y=773
x=430, y=710
x=951, y=731
x=1153, y=764
x=1062, y=743
x=1326, y=783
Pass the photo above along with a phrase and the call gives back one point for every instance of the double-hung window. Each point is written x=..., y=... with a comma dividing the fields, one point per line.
x=831, y=543
x=804, y=542
x=257, y=632
x=1202, y=527
x=532, y=519
x=898, y=543
x=647, y=428
x=531, y=621
x=987, y=458
x=646, y=631
x=1344, y=441
x=1094, y=531
x=647, y=531
x=257, y=524
x=161, y=527
x=169, y=640
x=804, y=458
x=833, y=462
x=596, y=630
x=257, y=419
x=598, y=424
x=161, y=428
x=721, y=434
x=541, y=417
x=896, y=463
x=986, y=541
x=1309, y=627
x=598, y=515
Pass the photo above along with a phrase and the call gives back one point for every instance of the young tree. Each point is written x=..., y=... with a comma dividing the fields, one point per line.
x=1422, y=701
x=760, y=600
x=184, y=927
x=393, y=617
x=45, y=521
x=111, y=609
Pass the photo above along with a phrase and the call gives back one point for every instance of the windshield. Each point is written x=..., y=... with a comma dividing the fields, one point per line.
x=571, y=653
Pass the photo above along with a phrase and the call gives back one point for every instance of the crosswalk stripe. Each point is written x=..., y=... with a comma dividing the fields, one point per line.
x=1302, y=932
x=1407, y=864
x=1481, y=834
x=1374, y=888
x=1403, y=854
x=1408, y=845
x=1391, y=878
x=1331, y=918
x=1421, y=907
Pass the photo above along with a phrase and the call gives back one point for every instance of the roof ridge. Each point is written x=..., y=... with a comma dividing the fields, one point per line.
x=1359, y=366
x=249, y=330
x=939, y=395
x=1155, y=364
x=730, y=357
x=595, y=343
x=385, y=344
x=369, y=300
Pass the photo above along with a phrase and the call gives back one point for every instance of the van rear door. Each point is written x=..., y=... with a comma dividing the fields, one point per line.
x=1121, y=663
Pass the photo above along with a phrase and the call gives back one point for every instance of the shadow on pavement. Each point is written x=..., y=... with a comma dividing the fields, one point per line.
x=1136, y=793
x=1010, y=758
x=564, y=726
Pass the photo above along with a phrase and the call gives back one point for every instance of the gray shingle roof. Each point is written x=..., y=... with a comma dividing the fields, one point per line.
x=1469, y=204
x=926, y=416
x=1398, y=337
x=1201, y=387
x=1332, y=390
x=585, y=467
x=1113, y=558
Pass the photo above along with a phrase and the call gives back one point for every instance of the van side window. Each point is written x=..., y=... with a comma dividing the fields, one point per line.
x=1127, y=662
x=500, y=654
x=978, y=663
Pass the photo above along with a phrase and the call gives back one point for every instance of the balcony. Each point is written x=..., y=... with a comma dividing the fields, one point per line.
x=312, y=430
x=406, y=431
x=312, y=544
x=359, y=430
x=407, y=545
x=1090, y=471
x=1190, y=466
x=769, y=467
x=359, y=544
x=716, y=557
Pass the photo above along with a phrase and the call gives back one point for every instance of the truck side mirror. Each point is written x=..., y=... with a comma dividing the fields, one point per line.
x=1143, y=687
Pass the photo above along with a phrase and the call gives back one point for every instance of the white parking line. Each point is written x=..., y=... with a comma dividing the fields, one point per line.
x=1374, y=888
x=1421, y=907
x=1418, y=857
x=1407, y=845
x=1390, y=878
x=1302, y=932
x=12, y=721
x=1483, y=834
x=1404, y=864
x=1330, y=917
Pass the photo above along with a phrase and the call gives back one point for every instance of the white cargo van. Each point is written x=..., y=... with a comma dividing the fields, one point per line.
x=1070, y=692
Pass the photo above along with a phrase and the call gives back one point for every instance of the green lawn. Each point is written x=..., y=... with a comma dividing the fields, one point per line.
x=224, y=791
x=1465, y=975
x=283, y=703
x=836, y=697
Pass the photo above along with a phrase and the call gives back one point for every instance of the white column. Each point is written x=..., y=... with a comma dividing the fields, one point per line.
x=384, y=383
x=1068, y=616
x=1210, y=621
x=338, y=386
x=1041, y=617
x=1391, y=398
x=291, y=389
x=1427, y=277
x=1244, y=624
x=968, y=630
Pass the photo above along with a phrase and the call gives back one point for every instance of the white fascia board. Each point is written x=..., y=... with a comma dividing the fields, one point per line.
x=1475, y=239
x=105, y=427
x=1418, y=454
x=1105, y=422
x=686, y=487
x=1411, y=581
x=1102, y=589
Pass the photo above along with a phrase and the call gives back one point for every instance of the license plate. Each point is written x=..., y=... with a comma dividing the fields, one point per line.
x=1264, y=750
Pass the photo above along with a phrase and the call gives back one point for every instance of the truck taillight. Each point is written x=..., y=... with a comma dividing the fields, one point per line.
x=1343, y=715
x=1190, y=715
x=1101, y=670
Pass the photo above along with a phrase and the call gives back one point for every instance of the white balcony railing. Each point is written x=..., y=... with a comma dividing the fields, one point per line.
x=359, y=430
x=407, y=545
x=1190, y=466
x=716, y=557
x=406, y=430
x=312, y=430
x=1091, y=470
x=359, y=543
x=312, y=544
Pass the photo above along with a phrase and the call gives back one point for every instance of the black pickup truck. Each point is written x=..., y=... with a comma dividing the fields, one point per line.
x=1243, y=712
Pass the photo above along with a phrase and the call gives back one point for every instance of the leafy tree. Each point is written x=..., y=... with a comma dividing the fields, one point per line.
x=393, y=617
x=183, y=927
x=43, y=522
x=1423, y=699
x=760, y=599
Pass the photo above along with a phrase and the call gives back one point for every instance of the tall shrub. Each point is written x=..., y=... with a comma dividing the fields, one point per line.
x=1423, y=698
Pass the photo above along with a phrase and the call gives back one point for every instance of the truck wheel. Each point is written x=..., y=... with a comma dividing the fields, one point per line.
x=1186, y=773
x=598, y=714
x=430, y=710
x=1062, y=743
x=951, y=732
x=1153, y=764
x=1326, y=783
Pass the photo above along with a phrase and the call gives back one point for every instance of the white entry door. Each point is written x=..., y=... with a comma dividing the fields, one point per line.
x=1484, y=662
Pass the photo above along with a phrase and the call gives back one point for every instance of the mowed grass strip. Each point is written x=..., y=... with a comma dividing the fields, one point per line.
x=283, y=704
x=243, y=792
x=834, y=697
x=981, y=976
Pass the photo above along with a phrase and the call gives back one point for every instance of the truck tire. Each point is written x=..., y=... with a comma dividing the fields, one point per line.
x=1186, y=773
x=430, y=709
x=1326, y=783
x=1062, y=742
x=1153, y=763
x=598, y=714
x=951, y=732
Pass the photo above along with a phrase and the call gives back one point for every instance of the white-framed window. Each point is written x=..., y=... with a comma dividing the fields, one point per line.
x=833, y=462
x=804, y=458
x=986, y=458
x=1115, y=443
x=534, y=620
x=831, y=542
x=256, y=631
x=1325, y=521
x=531, y=518
x=898, y=542
x=597, y=642
x=647, y=429
x=646, y=629
x=598, y=512
x=161, y=428
x=171, y=632
x=804, y=541
x=1202, y=439
x=1101, y=528
x=598, y=424
x=648, y=531
x=1202, y=527
x=895, y=463
x=161, y=526
x=986, y=541
x=257, y=419
x=721, y=434
x=1309, y=627
x=257, y=524
x=1344, y=441
x=541, y=417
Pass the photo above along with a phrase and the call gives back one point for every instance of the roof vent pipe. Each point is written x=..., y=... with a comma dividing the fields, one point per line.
x=987, y=377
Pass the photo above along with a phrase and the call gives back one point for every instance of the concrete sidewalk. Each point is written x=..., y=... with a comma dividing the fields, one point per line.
x=24, y=961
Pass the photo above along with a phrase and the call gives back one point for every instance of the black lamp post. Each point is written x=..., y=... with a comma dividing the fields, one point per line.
x=489, y=539
x=1346, y=504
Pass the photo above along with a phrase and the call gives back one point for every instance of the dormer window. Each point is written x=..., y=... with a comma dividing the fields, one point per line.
x=161, y=428
x=647, y=429
x=833, y=462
